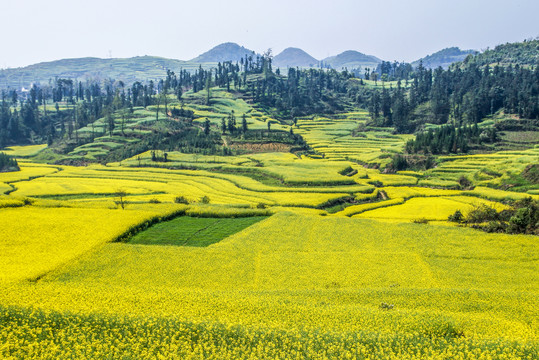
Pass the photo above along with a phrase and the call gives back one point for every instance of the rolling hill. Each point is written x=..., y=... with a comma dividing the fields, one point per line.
x=444, y=58
x=352, y=60
x=294, y=57
x=224, y=52
x=140, y=68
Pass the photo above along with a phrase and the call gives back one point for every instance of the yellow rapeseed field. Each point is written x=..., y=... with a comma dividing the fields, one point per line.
x=24, y=151
x=4, y=188
x=436, y=208
x=361, y=283
x=26, y=173
x=35, y=240
x=316, y=287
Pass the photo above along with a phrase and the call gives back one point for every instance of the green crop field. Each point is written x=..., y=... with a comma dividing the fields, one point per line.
x=192, y=231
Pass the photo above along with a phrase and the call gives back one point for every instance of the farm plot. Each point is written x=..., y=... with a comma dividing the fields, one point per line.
x=344, y=137
x=190, y=231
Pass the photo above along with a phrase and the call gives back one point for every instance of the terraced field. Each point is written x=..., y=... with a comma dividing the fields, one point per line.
x=344, y=137
x=273, y=256
x=131, y=127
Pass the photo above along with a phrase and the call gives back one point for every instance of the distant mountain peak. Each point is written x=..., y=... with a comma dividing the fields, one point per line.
x=227, y=51
x=351, y=59
x=294, y=57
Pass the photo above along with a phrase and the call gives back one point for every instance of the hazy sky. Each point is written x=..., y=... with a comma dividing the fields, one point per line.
x=43, y=30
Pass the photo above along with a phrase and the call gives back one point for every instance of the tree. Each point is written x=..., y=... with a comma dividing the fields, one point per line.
x=179, y=93
x=207, y=127
x=110, y=121
x=121, y=194
x=231, y=126
x=223, y=126
x=157, y=108
x=244, y=123
x=374, y=77
x=208, y=86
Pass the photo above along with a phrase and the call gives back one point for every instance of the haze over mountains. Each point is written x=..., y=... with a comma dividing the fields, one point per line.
x=145, y=68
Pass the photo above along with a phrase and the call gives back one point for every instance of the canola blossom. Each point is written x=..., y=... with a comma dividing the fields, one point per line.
x=335, y=270
x=316, y=290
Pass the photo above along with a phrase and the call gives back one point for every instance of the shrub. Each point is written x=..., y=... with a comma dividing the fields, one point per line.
x=481, y=214
x=398, y=163
x=155, y=201
x=495, y=227
x=464, y=182
x=181, y=200
x=420, y=221
x=205, y=200
x=376, y=183
x=526, y=218
x=386, y=306
x=456, y=217
x=523, y=219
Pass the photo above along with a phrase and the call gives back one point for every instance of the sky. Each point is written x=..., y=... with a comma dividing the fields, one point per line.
x=37, y=30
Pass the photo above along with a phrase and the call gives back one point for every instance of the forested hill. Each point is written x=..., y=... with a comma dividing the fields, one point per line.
x=128, y=70
x=444, y=58
x=520, y=53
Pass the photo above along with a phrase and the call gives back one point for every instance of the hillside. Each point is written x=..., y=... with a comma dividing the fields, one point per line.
x=294, y=57
x=140, y=68
x=520, y=53
x=444, y=58
x=224, y=52
x=352, y=60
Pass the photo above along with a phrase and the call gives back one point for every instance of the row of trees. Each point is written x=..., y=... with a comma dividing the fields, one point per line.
x=459, y=96
x=449, y=139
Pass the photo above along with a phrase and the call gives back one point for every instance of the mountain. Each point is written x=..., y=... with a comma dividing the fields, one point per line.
x=444, y=58
x=140, y=68
x=224, y=52
x=294, y=57
x=352, y=60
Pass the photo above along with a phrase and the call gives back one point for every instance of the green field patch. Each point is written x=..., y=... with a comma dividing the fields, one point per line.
x=193, y=231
